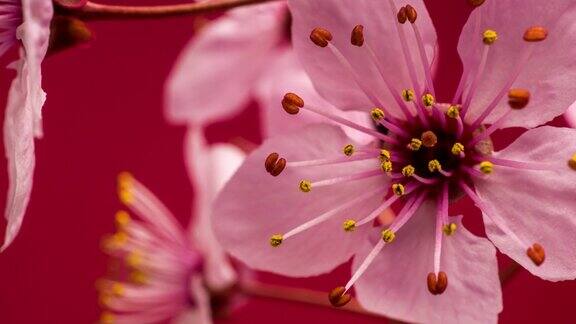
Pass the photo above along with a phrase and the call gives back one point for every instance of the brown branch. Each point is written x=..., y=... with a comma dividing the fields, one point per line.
x=96, y=11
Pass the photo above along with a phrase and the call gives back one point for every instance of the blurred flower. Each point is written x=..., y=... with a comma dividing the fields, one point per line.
x=172, y=274
x=27, y=21
x=423, y=155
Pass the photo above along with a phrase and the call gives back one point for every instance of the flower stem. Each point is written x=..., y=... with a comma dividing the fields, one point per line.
x=97, y=11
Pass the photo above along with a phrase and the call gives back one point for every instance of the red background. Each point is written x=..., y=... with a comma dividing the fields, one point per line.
x=104, y=115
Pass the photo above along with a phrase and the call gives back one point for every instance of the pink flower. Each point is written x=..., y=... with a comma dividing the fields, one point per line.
x=317, y=207
x=27, y=21
x=170, y=272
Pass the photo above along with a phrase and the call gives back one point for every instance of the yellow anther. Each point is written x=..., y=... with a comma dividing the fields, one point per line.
x=385, y=155
x=434, y=165
x=125, y=183
x=408, y=95
x=276, y=240
x=398, y=189
x=116, y=241
x=486, y=167
x=349, y=225
x=408, y=171
x=305, y=186
x=386, y=166
x=388, y=235
x=377, y=114
x=457, y=148
x=572, y=162
x=348, y=150
x=415, y=144
x=449, y=229
x=117, y=289
x=104, y=299
x=489, y=36
x=106, y=318
x=122, y=219
x=428, y=100
x=138, y=277
x=453, y=112
x=429, y=139
x=134, y=259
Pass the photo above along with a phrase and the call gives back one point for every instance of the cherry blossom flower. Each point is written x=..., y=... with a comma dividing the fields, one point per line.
x=172, y=273
x=26, y=22
x=318, y=197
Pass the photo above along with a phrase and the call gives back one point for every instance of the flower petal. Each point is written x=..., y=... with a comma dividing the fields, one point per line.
x=395, y=283
x=538, y=206
x=255, y=205
x=333, y=81
x=285, y=75
x=209, y=169
x=549, y=74
x=201, y=313
x=570, y=115
x=214, y=76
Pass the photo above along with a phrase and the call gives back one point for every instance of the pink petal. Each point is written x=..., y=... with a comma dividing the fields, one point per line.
x=549, y=74
x=23, y=112
x=333, y=81
x=285, y=75
x=201, y=313
x=255, y=205
x=216, y=72
x=209, y=170
x=570, y=115
x=395, y=283
x=538, y=206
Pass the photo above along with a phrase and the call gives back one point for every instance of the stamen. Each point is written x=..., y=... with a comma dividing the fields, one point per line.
x=387, y=203
x=357, y=37
x=486, y=167
x=401, y=15
x=398, y=189
x=305, y=186
x=338, y=297
x=335, y=160
x=437, y=285
x=122, y=219
x=428, y=100
x=349, y=225
x=273, y=165
x=388, y=236
x=450, y=229
x=457, y=149
x=386, y=166
x=488, y=37
x=415, y=144
x=536, y=254
x=434, y=165
x=429, y=139
x=408, y=95
x=365, y=264
x=453, y=111
x=408, y=171
x=424, y=180
x=518, y=98
x=404, y=44
x=385, y=155
x=320, y=37
x=292, y=103
x=523, y=165
x=276, y=240
x=403, y=218
x=348, y=150
x=411, y=14
x=378, y=116
x=535, y=34
x=572, y=162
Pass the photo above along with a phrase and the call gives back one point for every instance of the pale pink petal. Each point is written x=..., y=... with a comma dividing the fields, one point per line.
x=550, y=72
x=570, y=115
x=214, y=76
x=23, y=112
x=255, y=205
x=538, y=206
x=284, y=75
x=395, y=283
x=200, y=313
x=330, y=78
x=209, y=169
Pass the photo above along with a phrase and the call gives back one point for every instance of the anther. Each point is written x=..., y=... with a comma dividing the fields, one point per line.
x=536, y=254
x=292, y=103
x=411, y=14
x=270, y=161
x=388, y=235
x=535, y=34
x=349, y=225
x=274, y=165
x=276, y=240
x=429, y=139
x=486, y=167
x=489, y=36
x=476, y=3
x=437, y=285
x=401, y=16
x=450, y=229
x=386, y=166
x=122, y=219
x=453, y=111
x=415, y=144
x=408, y=171
x=385, y=155
x=457, y=149
x=320, y=37
x=408, y=95
x=305, y=186
x=518, y=98
x=434, y=165
x=107, y=318
x=572, y=162
x=338, y=297
x=428, y=100
x=398, y=189
x=348, y=150
x=357, y=38
x=377, y=114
